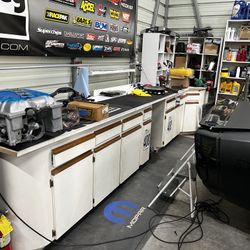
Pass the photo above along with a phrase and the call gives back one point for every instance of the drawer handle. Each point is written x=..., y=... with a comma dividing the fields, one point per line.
x=132, y=118
x=147, y=122
x=72, y=144
x=105, y=129
x=171, y=100
x=131, y=131
x=70, y=163
x=147, y=110
x=107, y=144
x=188, y=103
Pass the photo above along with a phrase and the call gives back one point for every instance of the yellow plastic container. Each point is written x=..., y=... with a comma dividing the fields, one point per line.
x=223, y=87
x=229, y=87
x=181, y=72
x=235, y=88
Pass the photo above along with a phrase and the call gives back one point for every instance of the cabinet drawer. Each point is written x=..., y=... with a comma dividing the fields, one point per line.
x=195, y=96
x=104, y=134
x=132, y=121
x=147, y=114
x=72, y=149
x=170, y=103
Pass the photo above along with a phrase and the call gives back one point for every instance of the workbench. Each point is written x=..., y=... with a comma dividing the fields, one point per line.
x=53, y=183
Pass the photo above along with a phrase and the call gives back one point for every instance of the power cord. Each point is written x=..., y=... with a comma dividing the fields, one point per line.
x=209, y=206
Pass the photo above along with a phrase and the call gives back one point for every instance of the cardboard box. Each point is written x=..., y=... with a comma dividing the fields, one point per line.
x=180, y=62
x=179, y=81
x=244, y=32
x=211, y=48
x=91, y=111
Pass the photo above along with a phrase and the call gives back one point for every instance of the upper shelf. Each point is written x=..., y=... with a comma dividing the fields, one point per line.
x=237, y=41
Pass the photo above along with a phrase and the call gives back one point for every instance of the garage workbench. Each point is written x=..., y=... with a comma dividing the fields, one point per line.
x=53, y=183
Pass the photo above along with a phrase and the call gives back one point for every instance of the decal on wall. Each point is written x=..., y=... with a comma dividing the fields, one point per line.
x=127, y=4
x=115, y=2
x=66, y=2
x=101, y=10
x=74, y=35
x=114, y=14
x=114, y=28
x=87, y=6
x=90, y=37
x=87, y=47
x=126, y=17
x=56, y=16
x=53, y=32
x=82, y=21
x=102, y=26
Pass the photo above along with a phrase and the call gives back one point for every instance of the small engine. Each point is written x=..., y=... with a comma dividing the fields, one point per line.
x=26, y=115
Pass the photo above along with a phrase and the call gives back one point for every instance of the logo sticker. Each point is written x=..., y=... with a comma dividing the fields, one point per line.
x=82, y=21
x=66, y=2
x=12, y=12
x=114, y=28
x=101, y=38
x=125, y=29
x=103, y=26
x=87, y=47
x=124, y=49
x=127, y=4
x=90, y=37
x=74, y=46
x=122, y=40
x=123, y=213
x=115, y=2
x=56, y=16
x=126, y=17
x=54, y=43
x=49, y=31
x=117, y=49
x=101, y=10
x=87, y=6
x=115, y=14
x=74, y=34
x=130, y=42
x=114, y=39
x=98, y=48
x=108, y=48
x=107, y=38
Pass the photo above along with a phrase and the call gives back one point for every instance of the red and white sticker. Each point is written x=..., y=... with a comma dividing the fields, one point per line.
x=126, y=17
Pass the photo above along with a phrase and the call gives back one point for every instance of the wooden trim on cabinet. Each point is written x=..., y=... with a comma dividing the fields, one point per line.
x=170, y=110
x=192, y=94
x=188, y=103
x=105, y=129
x=147, y=110
x=70, y=163
x=72, y=144
x=183, y=96
x=131, y=131
x=170, y=100
x=147, y=122
x=105, y=145
x=132, y=117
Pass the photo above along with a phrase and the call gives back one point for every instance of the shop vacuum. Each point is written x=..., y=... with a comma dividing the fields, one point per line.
x=222, y=146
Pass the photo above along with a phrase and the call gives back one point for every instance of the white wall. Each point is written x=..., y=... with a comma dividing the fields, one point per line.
x=213, y=13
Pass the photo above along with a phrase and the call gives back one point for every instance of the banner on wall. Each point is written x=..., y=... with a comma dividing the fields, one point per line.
x=70, y=28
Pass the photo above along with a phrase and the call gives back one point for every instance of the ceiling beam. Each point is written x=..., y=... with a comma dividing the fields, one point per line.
x=166, y=13
x=155, y=14
x=197, y=13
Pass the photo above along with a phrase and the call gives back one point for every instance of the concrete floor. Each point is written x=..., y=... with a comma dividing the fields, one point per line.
x=141, y=188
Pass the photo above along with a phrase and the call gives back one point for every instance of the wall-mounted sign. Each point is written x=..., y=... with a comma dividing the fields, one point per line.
x=71, y=28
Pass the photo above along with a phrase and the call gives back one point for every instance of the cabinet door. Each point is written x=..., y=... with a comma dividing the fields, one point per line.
x=106, y=169
x=169, y=127
x=179, y=118
x=72, y=192
x=190, y=118
x=146, y=142
x=130, y=152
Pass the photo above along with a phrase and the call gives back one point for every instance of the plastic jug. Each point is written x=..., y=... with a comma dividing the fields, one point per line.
x=235, y=88
x=239, y=10
x=229, y=87
x=223, y=87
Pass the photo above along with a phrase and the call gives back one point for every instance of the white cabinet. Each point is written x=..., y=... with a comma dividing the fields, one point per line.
x=106, y=169
x=130, y=152
x=72, y=192
x=190, y=119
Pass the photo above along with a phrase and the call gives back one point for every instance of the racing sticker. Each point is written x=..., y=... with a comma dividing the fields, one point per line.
x=101, y=10
x=115, y=2
x=127, y=4
x=147, y=139
x=14, y=19
x=115, y=14
x=72, y=34
x=114, y=28
x=46, y=31
x=98, y=48
x=56, y=16
x=87, y=47
x=102, y=26
x=117, y=49
x=90, y=37
x=130, y=42
x=125, y=17
x=54, y=44
x=108, y=48
x=74, y=46
x=125, y=29
x=82, y=21
x=66, y=2
x=87, y=6
x=124, y=50
x=122, y=40
x=114, y=39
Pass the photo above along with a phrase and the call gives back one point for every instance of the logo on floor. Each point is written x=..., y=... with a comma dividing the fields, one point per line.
x=123, y=213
